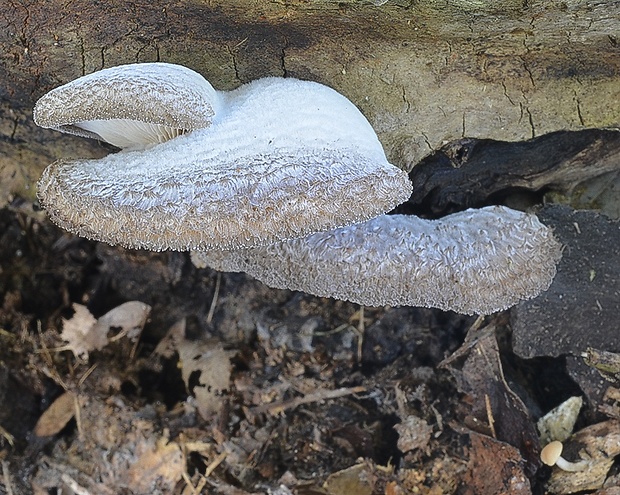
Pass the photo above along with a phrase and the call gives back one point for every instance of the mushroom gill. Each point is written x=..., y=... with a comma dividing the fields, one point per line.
x=476, y=261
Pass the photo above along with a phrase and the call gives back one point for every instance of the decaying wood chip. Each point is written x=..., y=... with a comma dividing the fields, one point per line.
x=413, y=433
x=558, y=423
x=605, y=362
x=494, y=468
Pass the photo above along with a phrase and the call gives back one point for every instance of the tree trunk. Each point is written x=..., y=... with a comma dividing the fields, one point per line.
x=424, y=73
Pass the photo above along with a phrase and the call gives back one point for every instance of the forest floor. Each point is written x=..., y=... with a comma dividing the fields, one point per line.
x=129, y=372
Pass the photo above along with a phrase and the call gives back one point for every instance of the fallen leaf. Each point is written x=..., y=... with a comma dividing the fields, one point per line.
x=205, y=368
x=56, y=416
x=83, y=333
x=494, y=408
x=129, y=318
x=168, y=345
x=79, y=333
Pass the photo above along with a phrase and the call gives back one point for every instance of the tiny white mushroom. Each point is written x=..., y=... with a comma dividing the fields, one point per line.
x=476, y=261
x=281, y=159
x=130, y=106
x=551, y=455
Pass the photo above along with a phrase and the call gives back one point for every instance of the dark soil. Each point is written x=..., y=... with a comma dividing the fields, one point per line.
x=318, y=397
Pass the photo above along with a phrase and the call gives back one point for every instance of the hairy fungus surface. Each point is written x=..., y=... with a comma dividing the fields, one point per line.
x=476, y=261
x=281, y=159
x=130, y=106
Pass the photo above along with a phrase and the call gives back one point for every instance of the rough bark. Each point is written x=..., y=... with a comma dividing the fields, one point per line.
x=424, y=73
x=468, y=173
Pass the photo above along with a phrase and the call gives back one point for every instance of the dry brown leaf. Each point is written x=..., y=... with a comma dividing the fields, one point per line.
x=210, y=364
x=83, y=333
x=129, y=318
x=79, y=335
x=493, y=408
x=161, y=467
x=56, y=416
x=170, y=343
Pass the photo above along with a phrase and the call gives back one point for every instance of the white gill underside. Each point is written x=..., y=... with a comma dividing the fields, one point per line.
x=130, y=134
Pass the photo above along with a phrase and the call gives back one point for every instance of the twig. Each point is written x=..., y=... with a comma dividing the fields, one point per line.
x=361, y=327
x=74, y=485
x=188, y=481
x=476, y=324
x=86, y=375
x=216, y=462
x=7, y=436
x=78, y=416
x=216, y=293
x=278, y=407
x=487, y=403
x=339, y=328
x=201, y=484
x=7, y=478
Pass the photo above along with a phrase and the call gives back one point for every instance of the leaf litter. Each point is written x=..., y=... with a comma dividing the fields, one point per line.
x=227, y=387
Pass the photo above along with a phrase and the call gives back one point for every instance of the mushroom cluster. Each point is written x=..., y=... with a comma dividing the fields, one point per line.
x=281, y=178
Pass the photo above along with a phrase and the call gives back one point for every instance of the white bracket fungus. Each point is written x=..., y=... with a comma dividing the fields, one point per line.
x=130, y=106
x=259, y=177
x=476, y=261
x=274, y=159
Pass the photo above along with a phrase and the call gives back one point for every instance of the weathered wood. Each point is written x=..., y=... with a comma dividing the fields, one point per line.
x=466, y=173
x=423, y=73
x=580, y=309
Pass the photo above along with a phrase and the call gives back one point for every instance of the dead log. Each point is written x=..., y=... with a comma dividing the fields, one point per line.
x=424, y=73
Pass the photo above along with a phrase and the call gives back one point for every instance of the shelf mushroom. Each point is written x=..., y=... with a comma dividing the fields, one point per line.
x=274, y=159
x=476, y=261
x=551, y=455
x=130, y=106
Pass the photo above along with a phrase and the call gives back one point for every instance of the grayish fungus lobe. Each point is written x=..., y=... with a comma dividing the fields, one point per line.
x=130, y=106
x=281, y=159
x=476, y=261
x=275, y=159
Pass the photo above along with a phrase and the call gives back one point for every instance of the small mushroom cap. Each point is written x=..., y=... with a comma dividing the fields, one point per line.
x=284, y=158
x=550, y=454
x=476, y=261
x=130, y=105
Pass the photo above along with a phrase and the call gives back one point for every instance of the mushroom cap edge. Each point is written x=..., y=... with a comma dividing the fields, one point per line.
x=156, y=93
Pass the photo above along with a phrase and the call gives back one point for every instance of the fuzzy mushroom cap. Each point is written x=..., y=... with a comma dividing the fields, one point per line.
x=130, y=106
x=283, y=159
x=476, y=261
